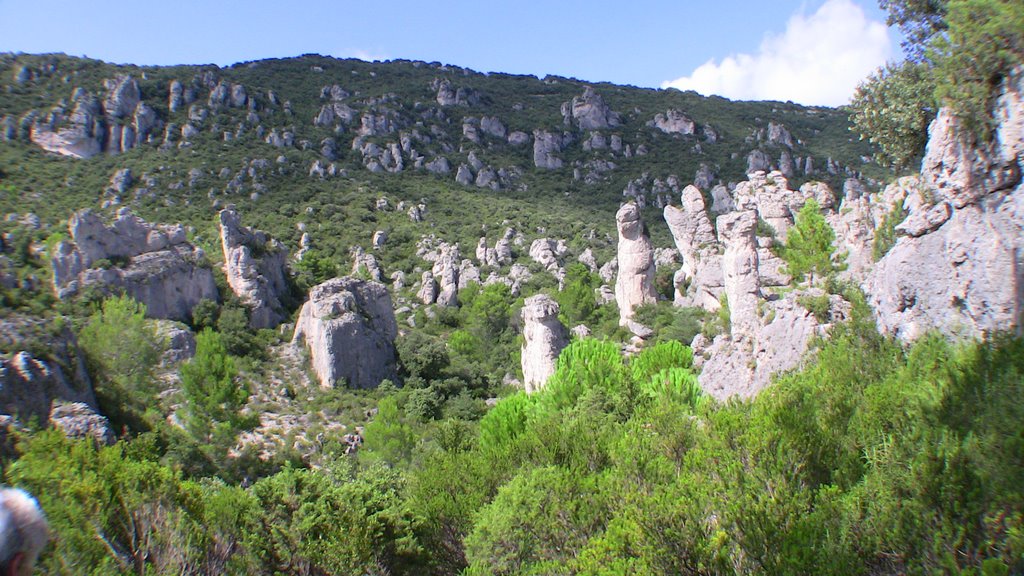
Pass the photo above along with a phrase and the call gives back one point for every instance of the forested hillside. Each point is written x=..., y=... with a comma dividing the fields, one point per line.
x=316, y=316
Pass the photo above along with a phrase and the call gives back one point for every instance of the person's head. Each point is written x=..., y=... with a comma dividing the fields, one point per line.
x=23, y=532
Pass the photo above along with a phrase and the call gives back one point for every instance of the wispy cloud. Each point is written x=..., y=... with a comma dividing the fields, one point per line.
x=818, y=60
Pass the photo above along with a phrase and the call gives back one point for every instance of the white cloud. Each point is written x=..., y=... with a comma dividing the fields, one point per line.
x=818, y=60
x=364, y=55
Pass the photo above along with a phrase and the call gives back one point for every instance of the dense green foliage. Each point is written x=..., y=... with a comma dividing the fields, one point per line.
x=122, y=350
x=214, y=398
x=905, y=461
x=809, y=247
x=892, y=108
x=959, y=54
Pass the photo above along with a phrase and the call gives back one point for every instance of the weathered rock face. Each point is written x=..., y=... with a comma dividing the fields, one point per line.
x=503, y=247
x=486, y=255
x=546, y=146
x=590, y=112
x=117, y=123
x=739, y=271
x=779, y=135
x=544, y=338
x=957, y=266
x=349, y=327
x=447, y=95
x=255, y=268
x=855, y=234
x=153, y=264
x=699, y=280
x=446, y=272
x=758, y=161
x=634, y=284
x=40, y=389
x=548, y=252
x=721, y=200
x=428, y=288
x=673, y=122
x=364, y=264
x=181, y=342
x=732, y=367
x=775, y=203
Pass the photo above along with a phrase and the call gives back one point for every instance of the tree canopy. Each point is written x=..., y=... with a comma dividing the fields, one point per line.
x=958, y=52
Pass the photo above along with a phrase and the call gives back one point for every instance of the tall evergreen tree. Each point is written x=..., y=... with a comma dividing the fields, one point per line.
x=808, y=247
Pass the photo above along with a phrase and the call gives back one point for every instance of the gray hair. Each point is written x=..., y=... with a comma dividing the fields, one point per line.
x=23, y=527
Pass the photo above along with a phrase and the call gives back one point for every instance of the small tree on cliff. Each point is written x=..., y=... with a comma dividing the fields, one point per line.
x=808, y=247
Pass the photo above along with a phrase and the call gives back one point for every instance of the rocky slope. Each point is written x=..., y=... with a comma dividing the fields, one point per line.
x=351, y=169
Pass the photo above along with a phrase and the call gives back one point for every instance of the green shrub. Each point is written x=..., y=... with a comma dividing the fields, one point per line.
x=818, y=305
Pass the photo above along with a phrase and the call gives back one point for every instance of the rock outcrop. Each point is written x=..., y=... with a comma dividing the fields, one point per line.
x=117, y=123
x=956, y=266
x=549, y=252
x=544, y=338
x=47, y=390
x=737, y=366
x=546, y=147
x=590, y=112
x=446, y=273
x=349, y=327
x=634, y=284
x=254, y=265
x=739, y=271
x=153, y=264
x=673, y=122
x=699, y=281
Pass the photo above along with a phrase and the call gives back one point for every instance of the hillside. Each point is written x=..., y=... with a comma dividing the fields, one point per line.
x=320, y=316
x=253, y=134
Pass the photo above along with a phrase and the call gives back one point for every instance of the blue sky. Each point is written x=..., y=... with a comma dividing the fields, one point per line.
x=736, y=48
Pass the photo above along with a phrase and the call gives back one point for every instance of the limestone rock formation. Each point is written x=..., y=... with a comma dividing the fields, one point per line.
x=548, y=252
x=779, y=135
x=739, y=270
x=769, y=195
x=181, y=342
x=544, y=338
x=699, y=281
x=80, y=420
x=634, y=284
x=744, y=366
x=590, y=112
x=503, y=247
x=428, y=288
x=446, y=272
x=721, y=200
x=349, y=327
x=673, y=122
x=254, y=265
x=957, y=266
x=758, y=161
x=366, y=265
x=468, y=274
x=38, y=389
x=486, y=255
x=115, y=123
x=153, y=264
x=546, y=146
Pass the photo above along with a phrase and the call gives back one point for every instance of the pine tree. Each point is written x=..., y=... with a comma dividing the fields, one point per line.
x=214, y=398
x=808, y=247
